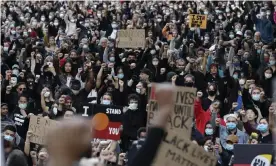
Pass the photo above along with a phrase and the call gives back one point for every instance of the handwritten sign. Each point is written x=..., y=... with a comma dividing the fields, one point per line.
x=131, y=38
x=197, y=21
x=181, y=118
x=40, y=127
x=106, y=120
x=176, y=149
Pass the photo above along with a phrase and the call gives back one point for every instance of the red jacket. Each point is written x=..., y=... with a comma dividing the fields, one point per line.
x=202, y=117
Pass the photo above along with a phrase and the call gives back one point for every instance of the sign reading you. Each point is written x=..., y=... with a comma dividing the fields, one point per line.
x=197, y=21
x=106, y=120
x=181, y=117
x=178, y=150
x=40, y=127
x=131, y=38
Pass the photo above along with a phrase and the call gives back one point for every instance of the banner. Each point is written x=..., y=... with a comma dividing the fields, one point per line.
x=197, y=21
x=40, y=127
x=253, y=155
x=131, y=38
x=181, y=118
x=178, y=150
x=106, y=119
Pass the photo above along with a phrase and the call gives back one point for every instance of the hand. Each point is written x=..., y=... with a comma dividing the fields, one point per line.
x=218, y=121
x=29, y=115
x=218, y=147
x=234, y=105
x=110, y=65
x=29, y=134
x=61, y=100
x=9, y=88
x=121, y=83
x=23, y=50
x=228, y=64
x=174, y=78
x=8, y=74
x=242, y=113
x=33, y=154
x=103, y=65
x=262, y=96
x=67, y=135
x=122, y=156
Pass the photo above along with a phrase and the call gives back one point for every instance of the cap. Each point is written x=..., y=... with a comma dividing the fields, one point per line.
x=239, y=33
x=15, y=66
x=229, y=115
x=232, y=138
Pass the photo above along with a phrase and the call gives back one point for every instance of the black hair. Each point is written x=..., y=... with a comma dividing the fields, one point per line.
x=254, y=110
x=40, y=147
x=133, y=97
x=264, y=119
x=144, y=84
x=23, y=95
x=63, y=67
x=11, y=128
x=141, y=130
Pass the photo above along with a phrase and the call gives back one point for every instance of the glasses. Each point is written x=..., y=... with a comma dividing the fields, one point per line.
x=21, y=89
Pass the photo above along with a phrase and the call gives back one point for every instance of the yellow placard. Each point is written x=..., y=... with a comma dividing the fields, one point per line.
x=197, y=20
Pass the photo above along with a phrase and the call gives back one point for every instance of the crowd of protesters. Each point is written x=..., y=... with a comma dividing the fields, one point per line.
x=58, y=55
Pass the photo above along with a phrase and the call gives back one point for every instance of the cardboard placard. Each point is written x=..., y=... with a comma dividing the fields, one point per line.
x=178, y=150
x=197, y=21
x=181, y=118
x=131, y=38
x=106, y=119
x=40, y=127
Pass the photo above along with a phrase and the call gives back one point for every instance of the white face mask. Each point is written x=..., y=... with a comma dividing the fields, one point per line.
x=133, y=106
x=43, y=19
x=13, y=81
x=159, y=20
x=46, y=94
x=138, y=90
x=155, y=63
x=13, y=32
x=15, y=72
x=106, y=102
x=231, y=36
x=22, y=106
x=267, y=75
x=75, y=92
x=55, y=110
x=241, y=82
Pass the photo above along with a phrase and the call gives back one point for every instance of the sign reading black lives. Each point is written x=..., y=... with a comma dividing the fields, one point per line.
x=181, y=118
x=106, y=120
x=177, y=150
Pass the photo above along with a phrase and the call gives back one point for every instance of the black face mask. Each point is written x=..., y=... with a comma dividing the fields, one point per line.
x=48, y=74
x=212, y=93
x=30, y=83
x=189, y=84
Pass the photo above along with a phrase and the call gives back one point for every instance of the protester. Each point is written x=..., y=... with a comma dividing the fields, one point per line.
x=59, y=56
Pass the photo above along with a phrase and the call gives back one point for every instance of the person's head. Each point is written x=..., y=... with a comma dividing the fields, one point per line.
x=263, y=125
x=155, y=61
x=253, y=139
x=212, y=89
x=231, y=121
x=67, y=67
x=73, y=55
x=257, y=36
x=189, y=80
x=68, y=114
x=268, y=73
x=271, y=60
x=216, y=104
x=106, y=99
x=142, y=132
x=9, y=133
x=103, y=42
x=4, y=109
x=47, y=92
x=208, y=145
x=21, y=87
x=75, y=86
x=42, y=153
x=209, y=129
x=68, y=102
x=23, y=102
x=141, y=87
x=145, y=75
x=251, y=87
x=251, y=114
x=120, y=73
x=13, y=80
x=133, y=101
x=230, y=141
x=256, y=94
x=213, y=69
x=180, y=64
x=30, y=80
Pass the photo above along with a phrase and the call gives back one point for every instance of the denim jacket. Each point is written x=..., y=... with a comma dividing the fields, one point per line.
x=243, y=137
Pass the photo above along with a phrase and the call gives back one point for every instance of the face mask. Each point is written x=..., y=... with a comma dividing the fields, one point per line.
x=220, y=17
x=231, y=125
x=42, y=19
x=133, y=106
x=120, y=76
x=267, y=75
x=227, y=10
x=259, y=51
x=256, y=97
x=206, y=38
x=206, y=148
x=55, y=23
x=75, y=92
x=159, y=20
x=235, y=76
x=13, y=32
x=138, y=90
x=206, y=12
x=25, y=33
x=55, y=110
x=106, y=102
x=6, y=49
x=86, y=24
x=212, y=93
x=155, y=63
x=152, y=52
x=22, y=106
x=229, y=147
x=241, y=82
x=112, y=59
x=114, y=26
x=61, y=15
x=8, y=138
x=262, y=127
x=209, y=131
x=46, y=94
x=15, y=72
x=231, y=36
x=271, y=62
